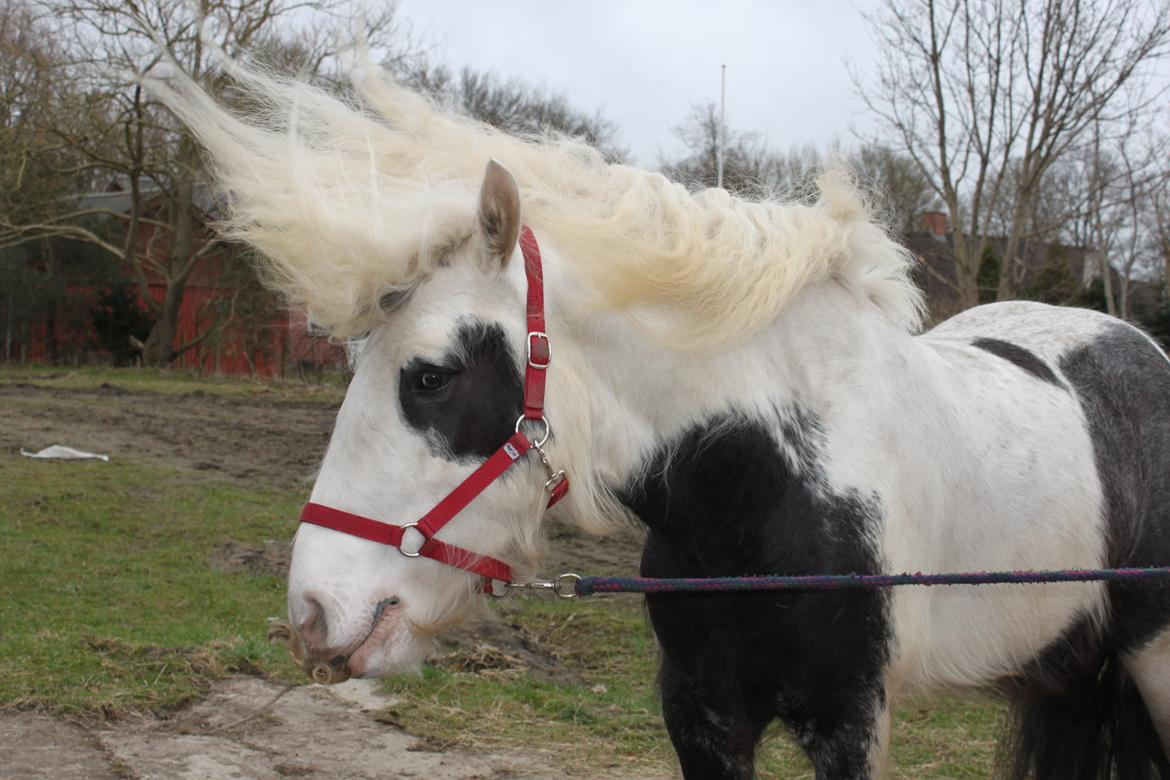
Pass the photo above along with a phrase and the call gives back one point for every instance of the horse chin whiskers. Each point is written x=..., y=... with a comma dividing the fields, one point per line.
x=432, y=629
x=280, y=632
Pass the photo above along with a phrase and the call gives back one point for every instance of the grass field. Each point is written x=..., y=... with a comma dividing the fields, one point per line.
x=108, y=606
x=107, y=603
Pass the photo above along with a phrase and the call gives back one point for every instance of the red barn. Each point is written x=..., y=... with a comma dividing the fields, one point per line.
x=232, y=324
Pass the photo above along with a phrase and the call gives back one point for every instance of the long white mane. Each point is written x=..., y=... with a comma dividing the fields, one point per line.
x=353, y=199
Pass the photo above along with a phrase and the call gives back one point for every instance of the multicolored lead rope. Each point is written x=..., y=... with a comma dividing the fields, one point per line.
x=588, y=586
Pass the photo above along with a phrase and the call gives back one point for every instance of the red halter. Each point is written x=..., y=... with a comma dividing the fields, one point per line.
x=538, y=358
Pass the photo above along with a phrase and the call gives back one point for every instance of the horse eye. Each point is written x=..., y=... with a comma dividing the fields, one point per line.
x=430, y=381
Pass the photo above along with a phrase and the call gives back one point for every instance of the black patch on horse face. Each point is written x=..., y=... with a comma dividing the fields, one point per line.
x=727, y=500
x=1123, y=384
x=475, y=411
x=1021, y=357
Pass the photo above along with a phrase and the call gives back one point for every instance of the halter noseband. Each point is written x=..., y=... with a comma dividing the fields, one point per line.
x=538, y=357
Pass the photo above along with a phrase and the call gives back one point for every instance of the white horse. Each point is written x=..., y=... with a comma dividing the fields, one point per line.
x=745, y=379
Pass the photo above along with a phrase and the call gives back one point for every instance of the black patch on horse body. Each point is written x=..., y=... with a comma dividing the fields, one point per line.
x=1076, y=712
x=476, y=411
x=1123, y=384
x=729, y=500
x=1019, y=356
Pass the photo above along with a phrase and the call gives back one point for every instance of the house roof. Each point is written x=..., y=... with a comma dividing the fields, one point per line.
x=935, y=252
x=117, y=198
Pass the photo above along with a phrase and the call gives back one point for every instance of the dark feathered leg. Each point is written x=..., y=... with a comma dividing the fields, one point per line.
x=713, y=733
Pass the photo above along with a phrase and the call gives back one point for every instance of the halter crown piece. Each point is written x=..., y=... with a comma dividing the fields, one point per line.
x=538, y=358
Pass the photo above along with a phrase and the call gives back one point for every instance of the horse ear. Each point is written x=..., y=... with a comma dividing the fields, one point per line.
x=499, y=211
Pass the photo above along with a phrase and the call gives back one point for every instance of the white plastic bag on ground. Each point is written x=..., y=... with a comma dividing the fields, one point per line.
x=59, y=452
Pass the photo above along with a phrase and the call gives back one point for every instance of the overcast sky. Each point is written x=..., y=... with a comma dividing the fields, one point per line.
x=644, y=63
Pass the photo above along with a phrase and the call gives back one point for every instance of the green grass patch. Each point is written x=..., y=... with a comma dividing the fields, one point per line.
x=607, y=718
x=610, y=717
x=328, y=387
x=107, y=602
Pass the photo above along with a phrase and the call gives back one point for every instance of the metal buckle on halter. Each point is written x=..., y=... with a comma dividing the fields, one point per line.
x=418, y=551
x=555, y=476
x=539, y=334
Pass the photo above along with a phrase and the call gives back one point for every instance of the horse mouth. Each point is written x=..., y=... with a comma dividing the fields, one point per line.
x=336, y=669
x=354, y=662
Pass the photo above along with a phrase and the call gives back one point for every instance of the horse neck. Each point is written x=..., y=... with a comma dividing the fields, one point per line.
x=825, y=354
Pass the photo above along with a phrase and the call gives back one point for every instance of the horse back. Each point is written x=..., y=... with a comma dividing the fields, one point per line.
x=1120, y=381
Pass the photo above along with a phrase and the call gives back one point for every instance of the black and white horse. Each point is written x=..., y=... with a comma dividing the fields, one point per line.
x=745, y=379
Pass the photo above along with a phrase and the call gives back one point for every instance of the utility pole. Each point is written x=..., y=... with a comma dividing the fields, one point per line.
x=722, y=139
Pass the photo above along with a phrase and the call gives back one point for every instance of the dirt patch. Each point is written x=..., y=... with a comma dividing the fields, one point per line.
x=247, y=728
x=250, y=729
x=243, y=439
x=572, y=550
x=499, y=647
x=37, y=746
x=270, y=558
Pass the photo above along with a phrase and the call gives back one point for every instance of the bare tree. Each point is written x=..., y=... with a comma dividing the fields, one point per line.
x=1160, y=230
x=1103, y=197
x=987, y=95
x=894, y=183
x=121, y=136
x=1123, y=232
x=510, y=104
x=749, y=168
x=901, y=191
x=30, y=106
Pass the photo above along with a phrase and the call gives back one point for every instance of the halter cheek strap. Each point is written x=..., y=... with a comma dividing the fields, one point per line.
x=536, y=344
x=538, y=358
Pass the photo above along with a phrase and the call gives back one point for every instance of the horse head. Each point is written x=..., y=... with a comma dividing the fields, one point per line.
x=438, y=389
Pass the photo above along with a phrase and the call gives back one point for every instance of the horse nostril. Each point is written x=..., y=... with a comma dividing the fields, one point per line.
x=314, y=629
x=384, y=605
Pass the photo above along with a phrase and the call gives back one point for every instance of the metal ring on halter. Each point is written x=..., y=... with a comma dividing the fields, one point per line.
x=417, y=552
x=538, y=443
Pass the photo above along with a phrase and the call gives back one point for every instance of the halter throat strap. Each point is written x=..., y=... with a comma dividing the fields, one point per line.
x=538, y=358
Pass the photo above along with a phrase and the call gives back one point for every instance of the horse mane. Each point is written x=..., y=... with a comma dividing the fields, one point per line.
x=353, y=198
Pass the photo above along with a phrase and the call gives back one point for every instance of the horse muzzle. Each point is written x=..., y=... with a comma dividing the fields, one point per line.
x=327, y=663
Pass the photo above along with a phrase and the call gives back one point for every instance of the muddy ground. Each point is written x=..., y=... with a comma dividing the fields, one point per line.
x=246, y=727
x=247, y=440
